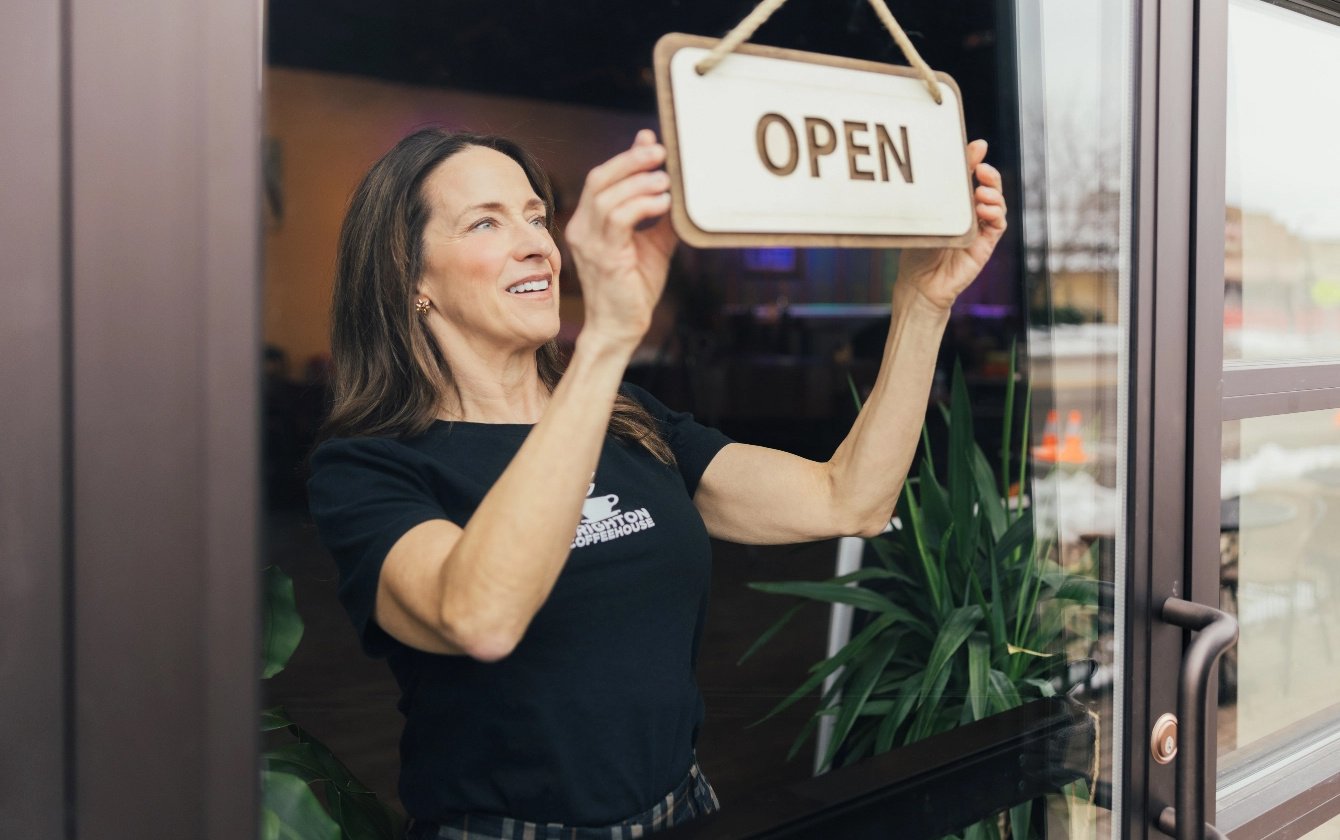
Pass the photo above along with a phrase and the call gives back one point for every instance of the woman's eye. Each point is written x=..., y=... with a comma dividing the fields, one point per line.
x=483, y=223
x=539, y=221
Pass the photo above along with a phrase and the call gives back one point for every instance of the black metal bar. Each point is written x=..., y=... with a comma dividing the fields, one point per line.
x=1216, y=631
x=928, y=789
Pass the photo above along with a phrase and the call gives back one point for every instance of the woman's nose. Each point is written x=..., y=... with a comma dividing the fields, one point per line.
x=534, y=242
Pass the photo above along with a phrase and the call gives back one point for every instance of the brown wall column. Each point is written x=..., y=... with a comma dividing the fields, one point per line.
x=129, y=359
x=33, y=557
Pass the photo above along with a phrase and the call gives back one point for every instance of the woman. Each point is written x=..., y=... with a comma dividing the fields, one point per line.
x=531, y=552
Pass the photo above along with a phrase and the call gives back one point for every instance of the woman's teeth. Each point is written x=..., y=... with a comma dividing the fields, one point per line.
x=530, y=286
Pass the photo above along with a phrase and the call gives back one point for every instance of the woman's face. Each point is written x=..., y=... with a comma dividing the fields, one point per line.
x=490, y=265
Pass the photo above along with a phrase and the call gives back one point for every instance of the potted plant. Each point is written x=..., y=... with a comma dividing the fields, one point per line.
x=306, y=792
x=966, y=614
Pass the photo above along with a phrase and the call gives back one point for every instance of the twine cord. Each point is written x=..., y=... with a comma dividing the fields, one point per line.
x=744, y=30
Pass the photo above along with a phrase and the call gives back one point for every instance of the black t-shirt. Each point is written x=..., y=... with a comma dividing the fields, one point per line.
x=593, y=717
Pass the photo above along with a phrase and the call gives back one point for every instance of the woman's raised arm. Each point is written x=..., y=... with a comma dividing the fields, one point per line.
x=756, y=495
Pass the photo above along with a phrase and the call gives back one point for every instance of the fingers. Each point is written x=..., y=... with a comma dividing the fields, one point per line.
x=651, y=183
x=976, y=154
x=638, y=209
x=645, y=154
x=989, y=195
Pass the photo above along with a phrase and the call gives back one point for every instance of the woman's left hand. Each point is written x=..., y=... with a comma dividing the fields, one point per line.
x=940, y=274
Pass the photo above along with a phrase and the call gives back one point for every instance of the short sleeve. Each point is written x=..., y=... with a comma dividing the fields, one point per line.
x=694, y=444
x=364, y=495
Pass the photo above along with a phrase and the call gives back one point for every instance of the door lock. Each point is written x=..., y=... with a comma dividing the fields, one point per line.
x=1163, y=739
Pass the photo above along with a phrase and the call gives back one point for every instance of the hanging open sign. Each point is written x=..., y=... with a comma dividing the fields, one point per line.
x=781, y=147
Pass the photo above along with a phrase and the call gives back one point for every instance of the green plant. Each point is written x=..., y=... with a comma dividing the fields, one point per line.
x=306, y=792
x=966, y=614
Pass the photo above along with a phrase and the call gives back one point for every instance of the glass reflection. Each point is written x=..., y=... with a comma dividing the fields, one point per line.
x=1280, y=574
x=1076, y=190
x=1282, y=225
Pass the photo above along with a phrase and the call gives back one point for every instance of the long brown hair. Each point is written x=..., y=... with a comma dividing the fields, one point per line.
x=389, y=375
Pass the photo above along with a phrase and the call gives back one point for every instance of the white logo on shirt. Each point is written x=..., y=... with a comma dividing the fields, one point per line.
x=603, y=520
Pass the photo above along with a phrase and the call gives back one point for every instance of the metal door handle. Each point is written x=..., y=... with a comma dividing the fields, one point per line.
x=1216, y=631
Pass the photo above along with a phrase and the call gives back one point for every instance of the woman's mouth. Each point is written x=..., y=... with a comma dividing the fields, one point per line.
x=529, y=286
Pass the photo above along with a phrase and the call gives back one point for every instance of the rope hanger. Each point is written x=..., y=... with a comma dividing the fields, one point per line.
x=744, y=30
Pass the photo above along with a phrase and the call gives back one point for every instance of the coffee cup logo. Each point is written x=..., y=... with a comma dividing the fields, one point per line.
x=599, y=507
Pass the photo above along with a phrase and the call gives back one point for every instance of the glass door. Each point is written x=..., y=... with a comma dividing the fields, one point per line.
x=1262, y=500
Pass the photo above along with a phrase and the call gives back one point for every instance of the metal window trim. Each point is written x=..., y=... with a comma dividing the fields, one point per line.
x=1286, y=804
x=1279, y=378
x=1206, y=328
x=1324, y=10
x=1140, y=694
x=1284, y=402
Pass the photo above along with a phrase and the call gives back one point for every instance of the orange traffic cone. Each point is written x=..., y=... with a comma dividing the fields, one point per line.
x=1047, y=451
x=1072, y=451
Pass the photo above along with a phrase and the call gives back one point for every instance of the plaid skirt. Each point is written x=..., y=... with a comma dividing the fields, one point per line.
x=693, y=797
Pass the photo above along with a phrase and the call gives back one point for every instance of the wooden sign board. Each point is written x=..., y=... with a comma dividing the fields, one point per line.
x=777, y=147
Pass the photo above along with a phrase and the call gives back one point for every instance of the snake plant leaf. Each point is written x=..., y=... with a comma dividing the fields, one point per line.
x=1004, y=689
x=979, y=670
x=936, y=518
x=860, y=747
x=929, y=710
x=962, y=487
x=828, y=666
x=889, y=726
x=804, y=736
x=280, y=624
x=1021, y=820
x=837, y=593
x=1018, y=536
x=929, y=562
x=855, y=394
x=858, y=691
x=290, y=811
x=876, y=708
x=868, y=573
x=770, y=632
x=1006, y=432
x=995, y=611
x=883, y=547
x=989, y=501
x=953, y=633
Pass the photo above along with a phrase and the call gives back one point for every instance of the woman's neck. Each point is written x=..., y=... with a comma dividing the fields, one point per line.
x=506, y=390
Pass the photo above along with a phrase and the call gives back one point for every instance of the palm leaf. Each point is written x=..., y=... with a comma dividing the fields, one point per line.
x=858, y=690
x=831, y=664
x=770, y=632
x=979, y=670
x=953, y=634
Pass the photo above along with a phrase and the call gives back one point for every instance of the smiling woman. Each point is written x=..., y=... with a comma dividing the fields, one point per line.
x=527, y=545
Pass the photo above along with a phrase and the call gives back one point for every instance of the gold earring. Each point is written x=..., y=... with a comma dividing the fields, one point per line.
x=422, y=305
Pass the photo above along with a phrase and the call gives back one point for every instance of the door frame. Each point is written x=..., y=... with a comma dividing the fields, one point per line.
x=129, y=466
x=1177, y=309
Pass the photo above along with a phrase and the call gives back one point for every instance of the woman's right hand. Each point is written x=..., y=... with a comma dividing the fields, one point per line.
x=623, y=262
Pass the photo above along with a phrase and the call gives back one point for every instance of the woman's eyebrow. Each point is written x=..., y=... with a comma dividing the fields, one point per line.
x=499, y=207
